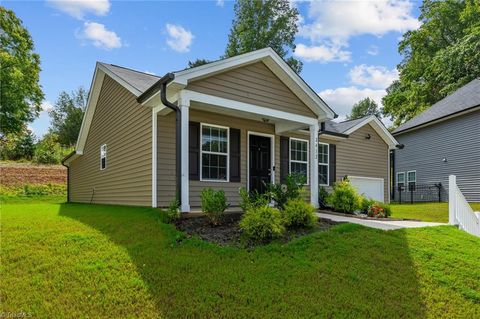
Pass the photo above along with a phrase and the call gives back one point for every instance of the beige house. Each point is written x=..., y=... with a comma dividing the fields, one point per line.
x=238, y=122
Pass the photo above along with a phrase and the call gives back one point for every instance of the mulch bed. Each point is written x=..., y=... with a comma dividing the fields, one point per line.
x=229, y=233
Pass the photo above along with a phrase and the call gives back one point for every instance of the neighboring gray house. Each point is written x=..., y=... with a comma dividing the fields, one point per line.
x=441, y=141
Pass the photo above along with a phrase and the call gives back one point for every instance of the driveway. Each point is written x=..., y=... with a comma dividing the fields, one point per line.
x=379, y=224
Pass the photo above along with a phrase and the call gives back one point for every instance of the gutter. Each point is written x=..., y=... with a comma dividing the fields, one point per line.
x=334, y=134
x=68, y=173
x=161, y=85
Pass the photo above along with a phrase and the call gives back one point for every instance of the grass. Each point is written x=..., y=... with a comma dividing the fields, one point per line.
x=428, y=212
x=75, y=260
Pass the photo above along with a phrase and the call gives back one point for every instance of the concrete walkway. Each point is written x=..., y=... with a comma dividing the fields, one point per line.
x=379, y=224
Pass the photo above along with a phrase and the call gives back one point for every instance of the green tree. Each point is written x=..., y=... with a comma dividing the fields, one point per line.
x=20, y=92
x=197, y=62
x=266, y=23
x=67, y=115
x=363, y=108
x=49, y=151
x=17, y=146
x=438, y=58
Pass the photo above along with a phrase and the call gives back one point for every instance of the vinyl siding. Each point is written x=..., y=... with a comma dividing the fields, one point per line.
x=125, y=126
x=357, y=156
x=457, y=140
x=166, y=156
x=254, y=84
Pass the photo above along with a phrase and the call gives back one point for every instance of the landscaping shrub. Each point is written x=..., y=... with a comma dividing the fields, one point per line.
x=252, y=199
x=291, y=189
x=379, y=210
x=173, y=212
x=344, y=198
x=214, y=204
x=366, y=203
x=322, y=197
x=262, y=223
x=49, y=151
x=299, y=213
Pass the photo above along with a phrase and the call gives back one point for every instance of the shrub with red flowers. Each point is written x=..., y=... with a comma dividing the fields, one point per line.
x=378, y=210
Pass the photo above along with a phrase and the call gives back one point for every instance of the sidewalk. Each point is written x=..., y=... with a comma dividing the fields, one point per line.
x=379, y=224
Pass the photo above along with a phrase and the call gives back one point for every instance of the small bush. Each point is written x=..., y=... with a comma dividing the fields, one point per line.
x=292, y=189
x=49, y=151
x=344, y=198
x=298, y=213
x=262, y=223
x=366, y=203
x=252, y=200
x=173, y=212
x=379, y=210
x=214, y=204
x=322, y=197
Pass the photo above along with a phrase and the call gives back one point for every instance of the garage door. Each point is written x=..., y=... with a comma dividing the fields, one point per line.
x=368, y=186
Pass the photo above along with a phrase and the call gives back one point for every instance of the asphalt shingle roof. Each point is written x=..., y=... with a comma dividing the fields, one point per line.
x=466, y=97
x=139, y=80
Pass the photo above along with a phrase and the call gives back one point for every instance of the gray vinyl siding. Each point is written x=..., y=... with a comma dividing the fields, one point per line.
x=254, y=84
x=125, y=126
x=457, y=140
x=358, y=156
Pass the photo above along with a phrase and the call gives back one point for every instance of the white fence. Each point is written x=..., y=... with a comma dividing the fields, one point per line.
x=459, y=211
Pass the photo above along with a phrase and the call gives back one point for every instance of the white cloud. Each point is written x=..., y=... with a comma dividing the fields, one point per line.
x=373, y=76
x=372, y=50
x=322, y=53
x=79, y=8
x=220, y=3
x=342, y=99
x=100, y=36
x=343, y=19
x=179, y=39
x=46, y=106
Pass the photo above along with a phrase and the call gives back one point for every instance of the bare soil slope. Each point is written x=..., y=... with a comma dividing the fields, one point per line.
x=15, y=174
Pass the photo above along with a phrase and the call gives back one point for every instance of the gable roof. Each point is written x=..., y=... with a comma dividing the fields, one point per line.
x=348, y=127
x=137, y=82
x=463, y=99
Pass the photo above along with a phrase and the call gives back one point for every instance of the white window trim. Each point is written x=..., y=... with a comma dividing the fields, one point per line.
x=327, y=165
x=409, y=181
x=214, y=153
x=296, y=161
x=102, y=146
x=396, y=181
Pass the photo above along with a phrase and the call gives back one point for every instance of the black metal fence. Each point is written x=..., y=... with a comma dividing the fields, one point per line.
x=415, y=193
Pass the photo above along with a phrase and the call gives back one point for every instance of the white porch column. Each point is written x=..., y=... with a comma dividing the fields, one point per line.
x=184, y=104
x=314, y=164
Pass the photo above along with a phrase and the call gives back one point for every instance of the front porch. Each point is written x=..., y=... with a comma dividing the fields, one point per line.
x=227, y=144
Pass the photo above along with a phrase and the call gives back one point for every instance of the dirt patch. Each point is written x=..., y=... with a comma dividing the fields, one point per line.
x=229, y=233
x=18, y=174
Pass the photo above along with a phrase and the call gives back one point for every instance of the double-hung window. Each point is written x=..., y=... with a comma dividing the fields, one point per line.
x=299, y=157
x=214, y=157
x=323, y=161
x=412, y=180
x=103, y=157
x=401, y=181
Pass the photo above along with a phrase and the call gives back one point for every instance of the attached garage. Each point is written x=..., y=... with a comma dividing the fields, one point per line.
x=369, y=187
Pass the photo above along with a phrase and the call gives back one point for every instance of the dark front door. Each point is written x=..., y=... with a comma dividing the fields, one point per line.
x=260, y=162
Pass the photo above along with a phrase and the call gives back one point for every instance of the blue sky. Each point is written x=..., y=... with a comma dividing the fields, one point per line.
x=349, y=48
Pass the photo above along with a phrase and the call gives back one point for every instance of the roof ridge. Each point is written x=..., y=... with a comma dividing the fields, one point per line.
x=130, y=69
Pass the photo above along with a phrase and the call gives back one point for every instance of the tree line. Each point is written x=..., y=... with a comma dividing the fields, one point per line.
x=439, y=57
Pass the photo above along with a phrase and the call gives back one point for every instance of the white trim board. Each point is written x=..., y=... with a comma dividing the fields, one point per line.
x=272, y=155
x=378, y=127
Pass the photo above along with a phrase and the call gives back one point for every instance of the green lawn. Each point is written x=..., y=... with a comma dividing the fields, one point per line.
x=428, y=212
x=83, y=261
